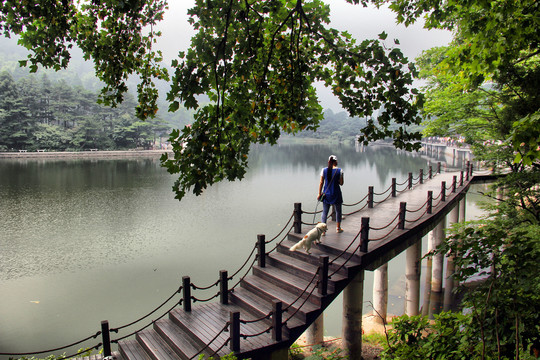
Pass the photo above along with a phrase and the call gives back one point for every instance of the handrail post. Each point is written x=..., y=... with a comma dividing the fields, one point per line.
x=472, y=170
x=277, y=310
x=186, y=284
x=364, y=235
x=323, y=275
x=439, y=167
x=261, y=251
x=106, y=338
x=394, y=187
x=402, y=211
x=410, y=180
x=370, y=197
x=421, y=176
x=443, y=191
x=430, y=172
x=467, y=170
x=297, y=218
x=461, y=178
x=235, y=331
x=454, y=183
x=224, y=287
x=430, y=202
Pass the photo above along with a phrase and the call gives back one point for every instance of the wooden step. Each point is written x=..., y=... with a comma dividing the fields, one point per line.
x=205, y=321
x=155, y=345
x=132, y=350
x=347, y=264
x=179, y=341
x=260, y=307
x=269, y=291
x=290, y=283
x=304, y=270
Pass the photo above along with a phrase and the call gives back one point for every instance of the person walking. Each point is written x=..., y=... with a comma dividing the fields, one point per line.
x=330, y=190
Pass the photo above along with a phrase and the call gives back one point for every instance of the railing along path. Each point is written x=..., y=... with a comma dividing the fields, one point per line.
x=372, y=224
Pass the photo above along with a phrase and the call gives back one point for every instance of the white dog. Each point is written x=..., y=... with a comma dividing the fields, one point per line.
x=313, y=236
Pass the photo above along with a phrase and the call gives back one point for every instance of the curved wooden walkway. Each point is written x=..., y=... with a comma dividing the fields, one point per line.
x=286, y=291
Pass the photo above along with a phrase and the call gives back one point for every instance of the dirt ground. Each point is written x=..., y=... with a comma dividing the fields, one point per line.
x=369, y=351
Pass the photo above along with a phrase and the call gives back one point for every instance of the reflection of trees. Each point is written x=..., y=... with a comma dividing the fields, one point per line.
x=384, y=159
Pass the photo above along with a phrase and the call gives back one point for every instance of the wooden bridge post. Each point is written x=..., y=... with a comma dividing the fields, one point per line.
x=412, y=276
x=224, y=287
x=261, y=251
x=430, y=172
x=353, y=299
x=380, y=293
x=453, y=217
x=467, y=168
x=402, y=212
x=186, y=284
x=461, y=178
x=370, y=197
x=410, y=180
x=277, y=320
x=323, y=275
x=364, y=235
x=454, y=183
x=297, y=218
x=430, y=201
x=106, y=338
x=394, y=187
x=439, y=167
x=234, y=331
x=443, y=190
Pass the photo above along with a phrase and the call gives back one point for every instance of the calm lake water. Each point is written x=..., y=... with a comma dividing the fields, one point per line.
x=89, y=240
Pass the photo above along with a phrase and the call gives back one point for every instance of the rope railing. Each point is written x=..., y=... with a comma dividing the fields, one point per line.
x=364, y=198
x=387, y=234
x=225, y=328
x=283, y=229
x=383, y=200
x=385, y=226
x=265, y=331
x=195, y=299
x=242, y=277
x=384, y=192
x=55, y=349
x=115, y=341
x=147, y=315
x=418, y=218
x=195, y=287
x=281, y=241
x=356, y=211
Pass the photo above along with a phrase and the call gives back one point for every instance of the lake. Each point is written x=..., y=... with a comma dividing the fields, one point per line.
x=86, y=240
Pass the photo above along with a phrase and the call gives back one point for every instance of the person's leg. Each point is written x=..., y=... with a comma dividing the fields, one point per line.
x=338, y=217
x=325, y=210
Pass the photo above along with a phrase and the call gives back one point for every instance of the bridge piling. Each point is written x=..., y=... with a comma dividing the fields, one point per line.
x=380, y=293
x=439, y=236
x=453, y=217
x=412, y=276
x=353, y=298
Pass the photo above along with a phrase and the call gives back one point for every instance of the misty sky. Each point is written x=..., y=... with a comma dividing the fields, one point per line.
x=362, y=23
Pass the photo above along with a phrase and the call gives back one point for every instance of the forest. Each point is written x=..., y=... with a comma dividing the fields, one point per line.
x=60, y=111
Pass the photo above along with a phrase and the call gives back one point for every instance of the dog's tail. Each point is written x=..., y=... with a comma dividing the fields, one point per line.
x=295, y=246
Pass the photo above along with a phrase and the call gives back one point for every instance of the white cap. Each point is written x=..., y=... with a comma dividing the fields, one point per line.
x=332, y=157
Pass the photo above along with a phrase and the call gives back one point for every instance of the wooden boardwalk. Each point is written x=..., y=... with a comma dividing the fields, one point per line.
x=293, y=281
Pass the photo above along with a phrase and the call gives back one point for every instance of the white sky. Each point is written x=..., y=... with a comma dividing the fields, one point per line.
x=362, y=23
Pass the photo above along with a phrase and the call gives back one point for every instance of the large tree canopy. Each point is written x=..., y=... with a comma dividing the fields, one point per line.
x=256, y=61
x=489, y=78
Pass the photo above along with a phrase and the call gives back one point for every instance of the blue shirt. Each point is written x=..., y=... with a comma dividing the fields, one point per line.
x=331, y=188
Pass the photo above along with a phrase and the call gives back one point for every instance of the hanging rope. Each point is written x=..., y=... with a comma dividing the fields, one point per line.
x=55, y=349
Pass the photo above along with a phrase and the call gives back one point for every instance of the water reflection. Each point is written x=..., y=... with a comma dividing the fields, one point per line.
x=88, y=240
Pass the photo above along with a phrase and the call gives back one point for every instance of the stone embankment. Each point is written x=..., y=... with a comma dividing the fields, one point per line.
x=94, y=153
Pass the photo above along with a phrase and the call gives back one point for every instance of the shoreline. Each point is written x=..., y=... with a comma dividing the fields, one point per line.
x=83, y=154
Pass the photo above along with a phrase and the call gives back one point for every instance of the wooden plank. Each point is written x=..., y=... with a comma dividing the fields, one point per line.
x=132, y=350
x=180, y=341
x=155, y=346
